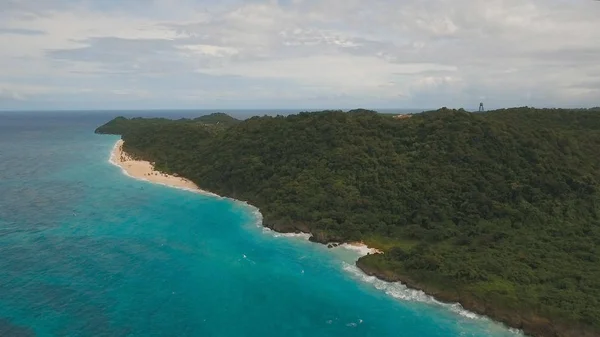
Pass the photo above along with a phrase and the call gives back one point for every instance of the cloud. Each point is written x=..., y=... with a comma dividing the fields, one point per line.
x=332, y=53
x=20, y=31
x=6, y=95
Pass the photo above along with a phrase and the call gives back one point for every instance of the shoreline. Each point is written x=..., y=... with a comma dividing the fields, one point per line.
x=144, y=170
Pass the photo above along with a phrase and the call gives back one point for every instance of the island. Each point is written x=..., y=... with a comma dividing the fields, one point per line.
x=499, y=211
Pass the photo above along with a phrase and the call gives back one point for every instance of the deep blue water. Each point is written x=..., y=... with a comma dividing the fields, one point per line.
x=88, y=251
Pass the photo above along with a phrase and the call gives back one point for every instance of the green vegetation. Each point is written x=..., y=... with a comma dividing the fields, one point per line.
x=498, y=210
x=217, y=118
x=213, y=122
x=120, y=125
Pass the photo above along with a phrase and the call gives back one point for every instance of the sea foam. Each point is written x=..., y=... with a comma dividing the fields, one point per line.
x=400, y=291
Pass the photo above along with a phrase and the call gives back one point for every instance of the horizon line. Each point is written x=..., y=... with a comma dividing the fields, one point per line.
x=205, y=109
x=473, y=109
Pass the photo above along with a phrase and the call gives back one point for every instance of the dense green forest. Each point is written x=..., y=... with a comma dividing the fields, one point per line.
x=217, y=118
x=121, y=125
x=498, y=210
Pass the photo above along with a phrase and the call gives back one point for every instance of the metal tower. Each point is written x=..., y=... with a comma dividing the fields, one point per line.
x=481, y=109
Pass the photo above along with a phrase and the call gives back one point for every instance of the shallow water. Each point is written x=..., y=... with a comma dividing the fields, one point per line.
x=88, y=251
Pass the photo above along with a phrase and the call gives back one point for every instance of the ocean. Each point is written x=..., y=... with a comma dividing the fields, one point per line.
x=88, y=251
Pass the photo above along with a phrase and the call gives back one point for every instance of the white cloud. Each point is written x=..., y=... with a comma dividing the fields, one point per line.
x=6, y=95
x=412, y=53
x=335, y=72
x=210, y=50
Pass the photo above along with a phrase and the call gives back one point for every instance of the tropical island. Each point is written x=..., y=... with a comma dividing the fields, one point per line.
x=499, y=211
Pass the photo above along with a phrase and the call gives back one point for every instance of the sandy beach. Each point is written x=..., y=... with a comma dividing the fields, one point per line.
x=145, y=170
x=362, y=248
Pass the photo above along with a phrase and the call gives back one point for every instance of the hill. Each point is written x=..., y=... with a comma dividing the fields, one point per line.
x=121, y=125
x=217, y=118
x=499, y=211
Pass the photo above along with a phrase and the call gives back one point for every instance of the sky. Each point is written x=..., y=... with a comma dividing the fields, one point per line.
x=181, y=54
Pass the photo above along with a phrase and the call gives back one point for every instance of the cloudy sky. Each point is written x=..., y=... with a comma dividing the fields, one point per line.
x=108, y=54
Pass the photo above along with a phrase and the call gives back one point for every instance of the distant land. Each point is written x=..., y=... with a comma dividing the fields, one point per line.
x=190, y=113
x=499, y=211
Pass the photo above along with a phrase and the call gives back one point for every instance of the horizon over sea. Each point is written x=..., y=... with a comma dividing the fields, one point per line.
x=188, y=113
x=89, y=251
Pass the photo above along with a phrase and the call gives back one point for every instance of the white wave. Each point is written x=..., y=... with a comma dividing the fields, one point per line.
x=394, y=289
x=400, y=291
x=302, y=236
x=275, y=234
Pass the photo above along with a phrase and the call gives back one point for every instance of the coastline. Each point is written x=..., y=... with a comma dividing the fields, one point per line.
x=144, y=170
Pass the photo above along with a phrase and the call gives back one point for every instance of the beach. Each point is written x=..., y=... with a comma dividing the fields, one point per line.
x=362, y=248
x=144, y=170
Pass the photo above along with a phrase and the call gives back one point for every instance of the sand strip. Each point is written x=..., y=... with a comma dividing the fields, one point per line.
x=143, y=170
x=362, y=248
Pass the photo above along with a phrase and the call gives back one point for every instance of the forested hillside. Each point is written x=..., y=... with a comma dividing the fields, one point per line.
x=217, y=118
x=121, y=125
x=499, y=211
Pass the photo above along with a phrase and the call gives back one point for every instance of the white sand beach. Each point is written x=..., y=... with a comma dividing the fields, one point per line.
x=144, y=170
x=362, y=248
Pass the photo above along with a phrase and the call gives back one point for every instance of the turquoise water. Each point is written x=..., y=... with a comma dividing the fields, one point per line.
x=88, y=251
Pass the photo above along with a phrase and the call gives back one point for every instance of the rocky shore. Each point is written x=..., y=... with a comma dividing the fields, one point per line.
x=531, y=325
